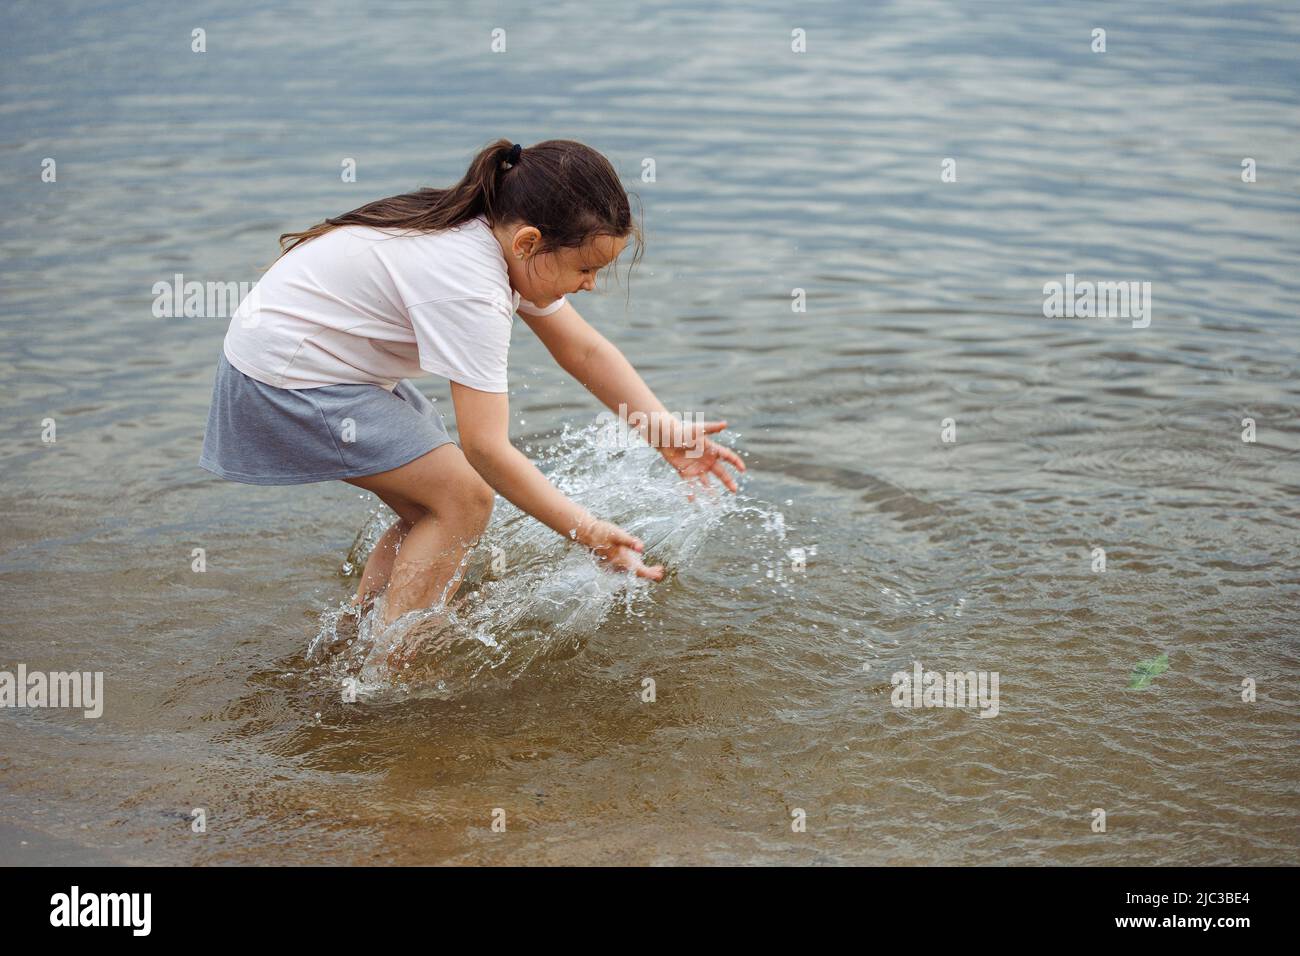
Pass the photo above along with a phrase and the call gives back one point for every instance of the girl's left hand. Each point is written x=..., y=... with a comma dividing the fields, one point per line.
x=696, y=457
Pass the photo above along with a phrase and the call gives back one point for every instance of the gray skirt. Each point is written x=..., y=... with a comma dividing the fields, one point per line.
x=263, y=435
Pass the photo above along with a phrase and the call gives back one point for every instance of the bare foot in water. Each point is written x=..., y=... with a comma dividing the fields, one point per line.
x=430, y=631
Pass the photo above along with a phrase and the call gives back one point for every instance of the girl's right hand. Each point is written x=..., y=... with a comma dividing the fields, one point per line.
x=619, y=550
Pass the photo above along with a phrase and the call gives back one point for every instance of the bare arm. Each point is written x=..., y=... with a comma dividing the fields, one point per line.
x=605, y=372
x=595, y=362
x=483, y=421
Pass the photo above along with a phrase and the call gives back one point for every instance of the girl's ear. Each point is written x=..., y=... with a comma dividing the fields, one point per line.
x=527, y=241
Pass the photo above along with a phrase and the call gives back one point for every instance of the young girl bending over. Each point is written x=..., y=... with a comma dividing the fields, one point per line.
x=312, y=384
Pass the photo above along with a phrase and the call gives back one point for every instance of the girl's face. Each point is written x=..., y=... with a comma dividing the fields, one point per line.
x=541, y=278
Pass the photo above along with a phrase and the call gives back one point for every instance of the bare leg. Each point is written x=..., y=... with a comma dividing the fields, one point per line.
x=448, y=506
x=429, y=564
x=380, y=563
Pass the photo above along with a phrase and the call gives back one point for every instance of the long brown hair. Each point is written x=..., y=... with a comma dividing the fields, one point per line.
x=567, y=190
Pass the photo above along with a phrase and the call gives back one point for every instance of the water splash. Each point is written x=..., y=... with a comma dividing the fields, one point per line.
x=528, y=596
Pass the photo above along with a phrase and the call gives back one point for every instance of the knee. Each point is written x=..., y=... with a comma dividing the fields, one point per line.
x=466, y=503
x=406, y=518
x=477, y=505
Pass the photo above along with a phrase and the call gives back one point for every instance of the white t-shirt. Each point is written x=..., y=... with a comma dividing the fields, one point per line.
x=364, y=305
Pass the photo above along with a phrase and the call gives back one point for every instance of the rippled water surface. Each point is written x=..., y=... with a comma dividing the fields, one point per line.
x=775, y=171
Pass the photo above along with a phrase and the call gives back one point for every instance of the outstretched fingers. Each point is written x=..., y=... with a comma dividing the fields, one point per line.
x=625, y=558
x=720, y=470
x=730, y=457
x=627, y=540
x=654, y=572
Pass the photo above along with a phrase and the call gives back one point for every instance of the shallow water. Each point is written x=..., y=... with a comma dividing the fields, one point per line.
x=772, y=684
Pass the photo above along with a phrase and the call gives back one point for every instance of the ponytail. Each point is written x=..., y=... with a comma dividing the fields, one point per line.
x=567, y=190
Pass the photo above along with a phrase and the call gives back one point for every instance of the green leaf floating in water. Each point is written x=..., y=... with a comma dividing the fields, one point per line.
x=1144, y=672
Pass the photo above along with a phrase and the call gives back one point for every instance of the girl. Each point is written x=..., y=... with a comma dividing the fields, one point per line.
x=312, y=385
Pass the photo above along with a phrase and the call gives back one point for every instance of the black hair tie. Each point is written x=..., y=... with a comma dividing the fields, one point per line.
x=513, y=157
